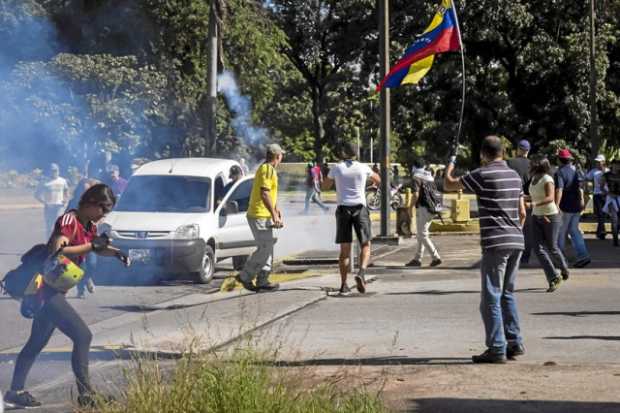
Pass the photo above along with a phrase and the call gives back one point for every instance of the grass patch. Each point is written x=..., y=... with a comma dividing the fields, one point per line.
x=242, y=382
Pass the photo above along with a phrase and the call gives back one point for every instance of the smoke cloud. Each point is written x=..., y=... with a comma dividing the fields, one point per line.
x=241, y=108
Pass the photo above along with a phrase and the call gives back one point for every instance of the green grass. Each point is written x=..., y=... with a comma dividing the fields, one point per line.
x=240, y=383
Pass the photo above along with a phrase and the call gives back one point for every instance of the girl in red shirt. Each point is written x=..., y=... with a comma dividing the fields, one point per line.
x=75, y=233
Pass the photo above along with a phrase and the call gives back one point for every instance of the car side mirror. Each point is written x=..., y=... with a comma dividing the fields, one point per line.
x=232, y=207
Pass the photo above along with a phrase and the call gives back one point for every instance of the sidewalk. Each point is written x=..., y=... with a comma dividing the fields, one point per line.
x=415, y=331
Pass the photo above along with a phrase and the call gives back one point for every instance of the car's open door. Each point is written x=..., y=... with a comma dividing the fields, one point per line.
x=234, y=236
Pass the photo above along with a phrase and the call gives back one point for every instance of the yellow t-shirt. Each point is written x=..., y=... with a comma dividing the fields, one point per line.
x=266, y=177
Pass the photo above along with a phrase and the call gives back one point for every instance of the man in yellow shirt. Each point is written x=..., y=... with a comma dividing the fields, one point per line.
x=263, y=216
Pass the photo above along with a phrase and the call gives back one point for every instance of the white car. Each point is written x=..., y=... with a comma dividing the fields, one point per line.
x=176, y=217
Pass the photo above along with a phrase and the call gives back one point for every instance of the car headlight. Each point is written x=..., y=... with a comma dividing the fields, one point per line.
x=191, y=231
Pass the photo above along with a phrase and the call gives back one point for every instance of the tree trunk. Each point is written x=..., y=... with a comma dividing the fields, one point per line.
x=317, y=114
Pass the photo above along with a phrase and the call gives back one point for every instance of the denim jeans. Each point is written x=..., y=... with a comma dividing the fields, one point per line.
x=598, y=203
x=546, y=231
x=313, y=195
x=528, y=236
x=570, y=226
x=498, y=305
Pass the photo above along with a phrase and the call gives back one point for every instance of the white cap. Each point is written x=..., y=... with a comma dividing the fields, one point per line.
x=600, y=158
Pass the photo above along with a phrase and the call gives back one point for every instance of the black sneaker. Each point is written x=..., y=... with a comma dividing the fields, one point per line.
x=21, y=399
x=344, y=291
x=554, y=284
x=489, y=357
x=582, y=262
x=246, y=284
x=268, y=287
x=360, y=282
x=414, y=263
x=565, y=275
x=514, y=351
x=436, y=262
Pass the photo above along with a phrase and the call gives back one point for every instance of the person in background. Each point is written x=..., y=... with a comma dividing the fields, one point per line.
x=423, y=181
x=116, y=182
x=595, y=175
x=263, y=216
x=569, y=198
x=350, y=178
x=611, y=184
x=546, y=223
x=521, y=164
x=90, y=263
x=244, y=167
x=234, y=174
x=376, y=169
x=314, y=179
x=53, y=193
x=502, y=214
x=395, y=176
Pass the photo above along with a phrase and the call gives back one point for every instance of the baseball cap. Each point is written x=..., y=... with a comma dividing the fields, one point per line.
x=565, y=154
x=275, y=149
x=600, y=158
x=422, y=174
x=524, y=144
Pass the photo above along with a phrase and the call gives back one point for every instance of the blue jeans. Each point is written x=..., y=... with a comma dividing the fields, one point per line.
x=546, y=230
x=570, y=226
x=498, y=305
x=313, y=195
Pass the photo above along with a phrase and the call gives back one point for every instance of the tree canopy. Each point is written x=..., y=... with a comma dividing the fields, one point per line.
x=78, y=77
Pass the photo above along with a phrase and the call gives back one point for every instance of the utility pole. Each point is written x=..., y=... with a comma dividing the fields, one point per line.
x=384, y=52
x=594, y=135
x=212, y=44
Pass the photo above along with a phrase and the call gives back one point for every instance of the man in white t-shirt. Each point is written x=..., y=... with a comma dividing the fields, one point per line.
x=53, y=193
x=350, y=177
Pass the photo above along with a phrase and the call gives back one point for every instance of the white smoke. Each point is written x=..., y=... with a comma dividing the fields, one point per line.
x=241, y=108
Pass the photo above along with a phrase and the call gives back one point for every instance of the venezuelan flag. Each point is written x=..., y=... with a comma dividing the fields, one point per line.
x=439, y=37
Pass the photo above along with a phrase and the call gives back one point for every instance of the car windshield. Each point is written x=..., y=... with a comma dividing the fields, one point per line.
x=154, y=193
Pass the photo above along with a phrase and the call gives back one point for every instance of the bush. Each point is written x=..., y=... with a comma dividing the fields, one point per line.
x=243, y=383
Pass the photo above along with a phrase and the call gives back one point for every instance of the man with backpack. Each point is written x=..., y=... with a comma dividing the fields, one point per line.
x=427, y=201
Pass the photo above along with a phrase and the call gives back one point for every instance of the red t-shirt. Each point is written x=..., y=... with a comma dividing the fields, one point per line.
x=70, y=226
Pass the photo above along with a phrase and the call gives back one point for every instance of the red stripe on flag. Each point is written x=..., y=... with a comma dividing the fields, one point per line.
x=448, y=41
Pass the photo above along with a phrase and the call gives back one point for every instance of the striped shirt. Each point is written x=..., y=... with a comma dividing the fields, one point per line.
x=499, y=190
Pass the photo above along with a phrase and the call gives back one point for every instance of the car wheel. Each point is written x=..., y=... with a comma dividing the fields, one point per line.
x=239, y=262
x=207, y=268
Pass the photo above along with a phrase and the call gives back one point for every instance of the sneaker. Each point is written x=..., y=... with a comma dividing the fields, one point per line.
x=21, y=399
x=489, y=357
x=514, y=351
x=246, y=284
x=436, y=262
x=554, y=284
x=344, y=291
x=565, y=275
x=268, y=287
x=582, y=262
x=90, y=286
x=414, y=263
x=360, y=282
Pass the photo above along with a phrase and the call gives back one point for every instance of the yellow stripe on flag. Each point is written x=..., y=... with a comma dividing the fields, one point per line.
x=418, y=70
x=438, y=18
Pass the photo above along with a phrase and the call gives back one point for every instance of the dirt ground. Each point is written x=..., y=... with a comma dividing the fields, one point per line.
x=514, y=387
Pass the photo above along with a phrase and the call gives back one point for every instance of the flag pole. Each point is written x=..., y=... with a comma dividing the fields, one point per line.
x=458, y=29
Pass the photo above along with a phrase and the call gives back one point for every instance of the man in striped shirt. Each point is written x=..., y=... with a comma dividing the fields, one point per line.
x=501, y=208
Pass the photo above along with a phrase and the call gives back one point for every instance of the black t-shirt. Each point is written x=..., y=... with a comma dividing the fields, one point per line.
x=613, y=183
x=522, y=167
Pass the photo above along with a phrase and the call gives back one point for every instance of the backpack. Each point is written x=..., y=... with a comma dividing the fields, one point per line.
x=17, y=280
x=431, y=198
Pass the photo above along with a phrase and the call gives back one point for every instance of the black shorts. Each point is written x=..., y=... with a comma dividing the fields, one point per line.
x=349, y=218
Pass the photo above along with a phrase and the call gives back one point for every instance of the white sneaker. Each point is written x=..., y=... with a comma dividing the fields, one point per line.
x=90, y=286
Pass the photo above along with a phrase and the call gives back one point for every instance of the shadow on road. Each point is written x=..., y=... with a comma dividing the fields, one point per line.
x=604, y=338
x=439, y=292
x=579, y=313
x=374, y=361
x=453, y=405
